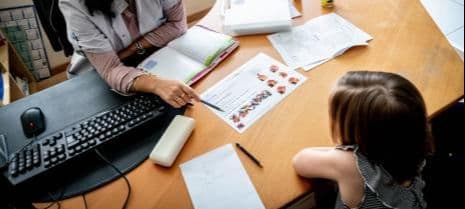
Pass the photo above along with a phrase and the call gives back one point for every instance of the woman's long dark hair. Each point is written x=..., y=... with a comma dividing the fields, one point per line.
x=103, y=6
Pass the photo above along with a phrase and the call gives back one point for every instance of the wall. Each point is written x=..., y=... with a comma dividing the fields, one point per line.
x=57, y=58
x=194, y=6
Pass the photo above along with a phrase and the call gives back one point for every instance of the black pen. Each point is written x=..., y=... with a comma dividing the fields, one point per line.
x=208, y=104
x=249, y=155
x=211, y=105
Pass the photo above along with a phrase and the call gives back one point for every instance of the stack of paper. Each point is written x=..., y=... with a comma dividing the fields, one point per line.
x=318, y=41
x=245, y=17
x=217, y=180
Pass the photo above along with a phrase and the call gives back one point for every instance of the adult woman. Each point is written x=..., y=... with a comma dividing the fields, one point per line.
x=106, y=33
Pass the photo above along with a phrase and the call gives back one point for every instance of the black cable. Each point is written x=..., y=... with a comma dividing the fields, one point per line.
x=85, y=201
x=50, y=205
x=121, y=175
x=50, y=16
x=55, y=201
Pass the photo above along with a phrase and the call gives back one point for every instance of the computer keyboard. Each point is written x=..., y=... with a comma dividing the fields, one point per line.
x=51, y=151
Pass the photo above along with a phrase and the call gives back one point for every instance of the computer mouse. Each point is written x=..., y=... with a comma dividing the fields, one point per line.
x=33, y=122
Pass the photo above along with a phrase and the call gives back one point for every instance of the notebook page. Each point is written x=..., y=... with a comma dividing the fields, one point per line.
x=170, y=64
x=201, y=44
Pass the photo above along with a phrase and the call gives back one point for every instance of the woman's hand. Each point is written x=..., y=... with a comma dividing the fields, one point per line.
x=173, y=92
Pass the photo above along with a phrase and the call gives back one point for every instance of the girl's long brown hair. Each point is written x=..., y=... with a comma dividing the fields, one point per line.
x=385, y=115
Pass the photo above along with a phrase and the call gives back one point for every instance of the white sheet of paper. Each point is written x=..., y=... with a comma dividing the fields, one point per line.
x=319, y=39
x=218, y=180
x=245, y=98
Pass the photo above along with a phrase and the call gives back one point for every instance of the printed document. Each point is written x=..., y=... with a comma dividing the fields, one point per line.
x=318, y=41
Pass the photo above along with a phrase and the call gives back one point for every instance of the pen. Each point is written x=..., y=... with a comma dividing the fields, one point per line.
x=211, y=105
x=249, y=155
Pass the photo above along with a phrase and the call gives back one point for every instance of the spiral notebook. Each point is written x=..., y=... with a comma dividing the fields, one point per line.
x=191, y=56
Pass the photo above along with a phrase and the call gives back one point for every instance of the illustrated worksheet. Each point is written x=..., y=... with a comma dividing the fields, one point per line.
x=252, y=90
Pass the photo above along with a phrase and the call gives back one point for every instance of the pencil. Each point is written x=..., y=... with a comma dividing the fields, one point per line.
x=211, y=105
x=249, y=155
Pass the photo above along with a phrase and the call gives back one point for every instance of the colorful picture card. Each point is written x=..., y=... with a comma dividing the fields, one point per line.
x=252, y=90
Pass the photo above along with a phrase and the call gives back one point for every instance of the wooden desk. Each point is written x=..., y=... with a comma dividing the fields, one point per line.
x=406, y=42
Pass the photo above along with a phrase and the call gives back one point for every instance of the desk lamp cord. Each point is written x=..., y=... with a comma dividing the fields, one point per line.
x=121, y=175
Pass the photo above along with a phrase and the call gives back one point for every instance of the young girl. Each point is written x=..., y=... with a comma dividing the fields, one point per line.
x=379, y=120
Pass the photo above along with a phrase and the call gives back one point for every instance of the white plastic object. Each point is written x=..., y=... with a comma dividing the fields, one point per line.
x=172, y=141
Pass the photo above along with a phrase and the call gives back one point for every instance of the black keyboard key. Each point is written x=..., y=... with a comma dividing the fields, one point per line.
x=71, y=141
x=58, y=136
x=46, y=156
x=21, y=169
x=47, y=164
x=61, y=149
x=36, y=162
x=61, y=157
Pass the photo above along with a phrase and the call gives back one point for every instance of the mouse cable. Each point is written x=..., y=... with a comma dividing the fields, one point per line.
x=121, y=175
x=55, y=200
x=85, y=200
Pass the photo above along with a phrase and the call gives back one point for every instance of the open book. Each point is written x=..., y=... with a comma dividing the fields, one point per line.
x=191, y=56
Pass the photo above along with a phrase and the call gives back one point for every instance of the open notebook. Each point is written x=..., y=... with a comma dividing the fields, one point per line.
x=191, y=56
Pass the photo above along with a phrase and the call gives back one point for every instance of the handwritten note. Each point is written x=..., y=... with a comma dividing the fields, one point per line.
x=218, y=180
